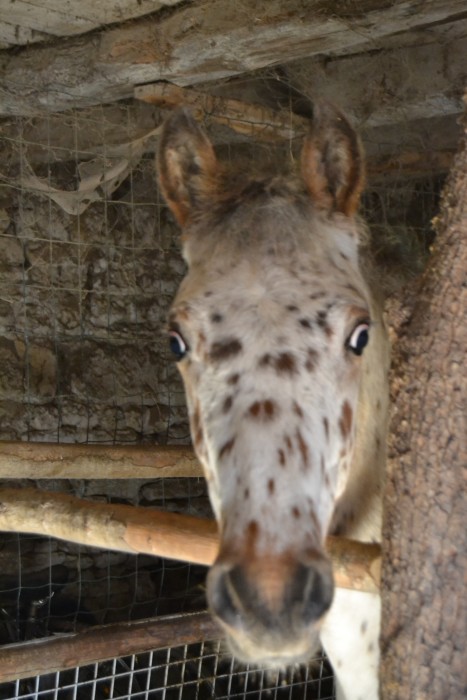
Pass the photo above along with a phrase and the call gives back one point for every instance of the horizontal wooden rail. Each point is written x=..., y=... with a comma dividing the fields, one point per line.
x=137, y=530
x=54, y=654
x=144, y=530
x=45, y=460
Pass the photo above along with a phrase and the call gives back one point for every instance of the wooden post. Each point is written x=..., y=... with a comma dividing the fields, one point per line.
x=424, y=631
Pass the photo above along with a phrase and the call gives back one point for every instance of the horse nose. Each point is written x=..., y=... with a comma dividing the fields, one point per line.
x=276, y=599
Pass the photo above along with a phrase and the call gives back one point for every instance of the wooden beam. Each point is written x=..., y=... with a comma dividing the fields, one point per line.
x=46, y=18
x=200, y=42
x=43, y=460
x=250, y=120
x=109, y=526
x=103, y=642
x=159, y=533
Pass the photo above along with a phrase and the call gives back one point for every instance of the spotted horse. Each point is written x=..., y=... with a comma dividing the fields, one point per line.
x=284, y=357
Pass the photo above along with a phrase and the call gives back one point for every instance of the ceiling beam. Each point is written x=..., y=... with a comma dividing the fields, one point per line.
x=200, y=42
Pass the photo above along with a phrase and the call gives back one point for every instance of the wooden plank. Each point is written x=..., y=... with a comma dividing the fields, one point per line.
x=14, y=35
x=39, y=20
x=247, y=119
x=207, y=41
x=42, y=460
x=58, y=653
x=159, y=533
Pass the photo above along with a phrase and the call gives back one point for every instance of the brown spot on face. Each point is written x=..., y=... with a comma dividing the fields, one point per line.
x=281, y=454
x=311, y=359
x=378, y=405
x=196, y=420
x=303, y=447
x=344, y=256
x=345, y=421
x=246, y=494
x=271, y=486
x=305, y=323
x=226, y=448
x=217, y=318
x=199, y=438
x=255, y=409
x=233, y=379
x=322, y=322
x=265, y=360
x=225, y=349
x=252, y=533
x=227, y=405
x=288, y=443
x=326, y=427
x=263, y=410
x=285, y=363
x=292, y=308
x=363, y=627
x=297, y=409
x=296, y=512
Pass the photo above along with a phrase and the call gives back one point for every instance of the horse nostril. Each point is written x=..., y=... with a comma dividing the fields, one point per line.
x=222, y=597
x=315, y=589
x=291, y=601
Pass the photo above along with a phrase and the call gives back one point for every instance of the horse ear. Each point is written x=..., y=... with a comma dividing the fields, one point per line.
x=186, y=165
x=332, y=162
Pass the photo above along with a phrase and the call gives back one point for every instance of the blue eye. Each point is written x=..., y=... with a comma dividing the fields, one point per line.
x=177, y=345
x=359, y=338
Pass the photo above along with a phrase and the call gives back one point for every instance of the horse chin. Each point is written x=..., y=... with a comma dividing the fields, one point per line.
x=274, y=654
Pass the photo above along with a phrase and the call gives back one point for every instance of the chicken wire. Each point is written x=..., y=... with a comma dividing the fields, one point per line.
x=191, y=672
x=90, y=264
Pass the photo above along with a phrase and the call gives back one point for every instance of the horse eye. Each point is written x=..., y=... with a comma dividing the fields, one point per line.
x=177, y=345
x=358, y=339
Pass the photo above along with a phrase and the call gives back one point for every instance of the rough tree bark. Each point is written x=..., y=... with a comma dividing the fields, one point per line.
x=424, y=629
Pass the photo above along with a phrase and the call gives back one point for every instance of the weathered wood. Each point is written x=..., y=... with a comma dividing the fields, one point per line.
x=39, y=20
x=109, y=526
x=43, y=460
x=247, y=119
x=159, y=533
x=50, y=655
x=424, y=622
x=210, y=40
x=393, y=86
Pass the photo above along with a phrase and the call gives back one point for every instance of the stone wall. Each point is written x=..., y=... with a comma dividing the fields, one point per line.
x=83, y=303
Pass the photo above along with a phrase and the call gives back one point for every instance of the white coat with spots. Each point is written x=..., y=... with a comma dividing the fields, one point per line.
x=284, y=357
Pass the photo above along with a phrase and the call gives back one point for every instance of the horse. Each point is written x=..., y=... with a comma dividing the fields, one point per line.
x=280, y=341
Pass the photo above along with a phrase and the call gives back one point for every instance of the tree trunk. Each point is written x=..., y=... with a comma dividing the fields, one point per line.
x=424, y=544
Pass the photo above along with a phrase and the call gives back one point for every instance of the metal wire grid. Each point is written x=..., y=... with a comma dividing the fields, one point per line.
x=83, y=297
x=190, y=672
x=49, y=587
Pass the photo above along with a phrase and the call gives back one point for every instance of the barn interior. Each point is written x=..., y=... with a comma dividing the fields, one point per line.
x=90, y=261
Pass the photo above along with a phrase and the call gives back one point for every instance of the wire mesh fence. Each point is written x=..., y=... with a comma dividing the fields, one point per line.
x=191, y=672
x=90, y=264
